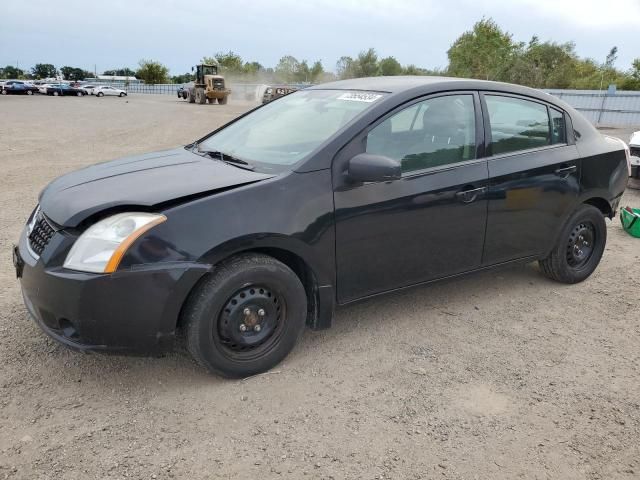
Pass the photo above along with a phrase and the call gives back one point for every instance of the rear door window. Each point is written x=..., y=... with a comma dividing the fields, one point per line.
x=517, y=124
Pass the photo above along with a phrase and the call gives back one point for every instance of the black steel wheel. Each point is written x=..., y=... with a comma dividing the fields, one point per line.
x=246, y=316
x=579, y=248
x=250, y=322
x=580, y=244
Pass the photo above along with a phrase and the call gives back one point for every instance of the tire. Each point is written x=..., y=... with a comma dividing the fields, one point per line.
x=121, y=95
x=201, y=98
x=579, y=248
x=100, y=94
x=192, y=98
x=79, y=94
x=55, y=94
x=4, y=92
x=223, y=100
x=225, y=339
x=29, y=92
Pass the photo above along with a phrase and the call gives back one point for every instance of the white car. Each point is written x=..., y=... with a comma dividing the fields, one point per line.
x=42, y=88
x=103, y=90
x=634, y=147
x=88, y=88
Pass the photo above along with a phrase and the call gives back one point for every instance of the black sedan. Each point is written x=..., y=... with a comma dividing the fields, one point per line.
x=64, y=89
x=18, y=87
x=330, y=195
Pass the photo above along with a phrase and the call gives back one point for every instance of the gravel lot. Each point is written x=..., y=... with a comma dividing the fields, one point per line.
x=498, y=375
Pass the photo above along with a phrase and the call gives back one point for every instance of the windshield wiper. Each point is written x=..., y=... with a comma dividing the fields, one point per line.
x=227, y=158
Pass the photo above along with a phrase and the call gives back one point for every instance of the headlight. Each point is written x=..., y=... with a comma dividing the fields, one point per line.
x=101, y=247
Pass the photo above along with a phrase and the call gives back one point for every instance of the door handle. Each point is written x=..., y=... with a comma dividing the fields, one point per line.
x=566, y=171
x=470, y=195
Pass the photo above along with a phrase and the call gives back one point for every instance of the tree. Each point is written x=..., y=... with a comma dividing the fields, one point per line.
x=10, y=72
x=545, y=65
x=316, y=72
x=74, y=73
x=184, y=78
x=152, y=72
x=485, y=52
x=287, y=69
x=346, y=67
x=44, y=70
x=390, y=66
x=229, y=62
x=252, y=69
x=367, y=63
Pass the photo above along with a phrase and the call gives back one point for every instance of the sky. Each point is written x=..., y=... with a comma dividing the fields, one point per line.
x=117, y=33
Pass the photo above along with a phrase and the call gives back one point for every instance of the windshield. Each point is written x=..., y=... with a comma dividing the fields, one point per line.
x=285, y=131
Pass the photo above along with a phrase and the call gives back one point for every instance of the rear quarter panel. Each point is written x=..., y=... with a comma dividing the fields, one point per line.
x=604, y=171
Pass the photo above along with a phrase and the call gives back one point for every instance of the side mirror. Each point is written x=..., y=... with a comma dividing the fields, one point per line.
x=365, y=167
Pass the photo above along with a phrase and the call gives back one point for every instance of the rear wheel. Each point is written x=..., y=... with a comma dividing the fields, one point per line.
x=79, y=94
x=29, y=92
x=121, y=94
x=245, y=317
x=55, y=94
x=579, y=248
x=100, y=94
x=4, y=92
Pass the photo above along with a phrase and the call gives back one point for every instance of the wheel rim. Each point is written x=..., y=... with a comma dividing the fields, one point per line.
x=250, y=323
x=581, y=244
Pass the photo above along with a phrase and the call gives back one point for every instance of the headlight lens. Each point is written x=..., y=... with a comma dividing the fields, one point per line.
x=101, y=247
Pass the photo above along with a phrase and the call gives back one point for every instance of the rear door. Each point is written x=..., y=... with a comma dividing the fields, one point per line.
x=534, y=176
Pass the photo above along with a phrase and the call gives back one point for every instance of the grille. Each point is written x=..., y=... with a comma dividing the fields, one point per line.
x=218, y=85
x=635, y=151
x=41, y=232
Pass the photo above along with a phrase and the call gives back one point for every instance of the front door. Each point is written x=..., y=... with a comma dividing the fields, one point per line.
x=534, y=177
x=428, y=224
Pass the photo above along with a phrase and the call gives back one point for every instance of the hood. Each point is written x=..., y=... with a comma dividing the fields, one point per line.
x=142, y=180
x=635, y=140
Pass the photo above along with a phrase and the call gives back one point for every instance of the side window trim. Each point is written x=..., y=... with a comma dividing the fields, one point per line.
x=487, y=124
x=479, y=129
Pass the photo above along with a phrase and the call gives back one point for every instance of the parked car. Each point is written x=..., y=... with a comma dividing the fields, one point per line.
x=273, y=92
x=102, y=90
x=634, y=146
x=64, y=89
x=330, y=195
x=183, y=92
x=87, y=88
x=42, y=88
x=18, y=87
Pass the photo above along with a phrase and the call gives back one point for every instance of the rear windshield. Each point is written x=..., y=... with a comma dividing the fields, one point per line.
x=285, y=131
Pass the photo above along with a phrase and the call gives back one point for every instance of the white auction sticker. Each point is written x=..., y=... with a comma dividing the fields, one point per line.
x=360, y=97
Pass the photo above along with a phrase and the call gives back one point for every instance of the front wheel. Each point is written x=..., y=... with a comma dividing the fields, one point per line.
x=100, y=94
x=55, y=94
x=79, y=94
x=29, y=92
x=246, y=316
x=121, y=94
x=579, y=247
x=222, y=101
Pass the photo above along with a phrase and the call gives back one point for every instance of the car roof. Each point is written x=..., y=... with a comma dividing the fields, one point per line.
x=427, y=84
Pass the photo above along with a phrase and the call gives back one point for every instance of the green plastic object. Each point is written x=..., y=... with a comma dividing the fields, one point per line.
x=630, y=218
